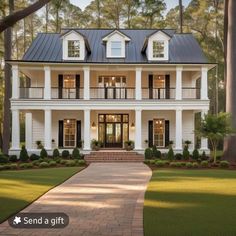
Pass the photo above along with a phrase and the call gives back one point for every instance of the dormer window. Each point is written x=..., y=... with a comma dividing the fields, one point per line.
x=158, y=48
x=116, y=47
x=73, y=48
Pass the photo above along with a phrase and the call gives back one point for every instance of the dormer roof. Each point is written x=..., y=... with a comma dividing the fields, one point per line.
x=106, y=37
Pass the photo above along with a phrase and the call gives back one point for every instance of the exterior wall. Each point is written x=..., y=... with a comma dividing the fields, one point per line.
x=37, y=127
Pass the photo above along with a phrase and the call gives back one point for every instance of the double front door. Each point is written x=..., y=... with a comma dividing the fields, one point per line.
x=113, y=130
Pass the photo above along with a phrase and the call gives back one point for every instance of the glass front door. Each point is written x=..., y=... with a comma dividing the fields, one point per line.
x=113, y=129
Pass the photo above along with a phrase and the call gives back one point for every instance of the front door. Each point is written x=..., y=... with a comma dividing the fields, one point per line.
x=113, y=129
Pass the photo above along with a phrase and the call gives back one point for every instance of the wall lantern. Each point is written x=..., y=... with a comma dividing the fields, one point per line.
x=132, y=125
x=93, y=125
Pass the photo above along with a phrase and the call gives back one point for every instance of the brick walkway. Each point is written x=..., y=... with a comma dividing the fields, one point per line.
x=105, y=199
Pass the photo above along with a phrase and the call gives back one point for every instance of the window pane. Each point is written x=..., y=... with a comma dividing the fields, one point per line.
x=158, y=132
x=158, y=49
x=73, y=48
x=116, y=48
x=69, y=133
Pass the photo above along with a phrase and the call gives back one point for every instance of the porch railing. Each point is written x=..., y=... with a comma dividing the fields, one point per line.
x=112, y=93
x=158, y=93
x=67, y=93
x=190, y=93
x=31, y=92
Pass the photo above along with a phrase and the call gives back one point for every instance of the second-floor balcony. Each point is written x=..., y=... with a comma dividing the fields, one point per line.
x=110, y=93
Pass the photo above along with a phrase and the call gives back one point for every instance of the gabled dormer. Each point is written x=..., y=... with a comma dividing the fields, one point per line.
x=156, y=46
x=74, y=46
x=115, y=44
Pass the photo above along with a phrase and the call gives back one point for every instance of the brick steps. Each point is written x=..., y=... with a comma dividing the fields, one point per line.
x=119, y=156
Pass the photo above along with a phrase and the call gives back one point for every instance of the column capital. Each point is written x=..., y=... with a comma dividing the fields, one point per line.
x=138, y=69
x=47, y=68
x=86, y=68
x=138, y=109
x=15, y=67
x=179, y=68
x=204, y=69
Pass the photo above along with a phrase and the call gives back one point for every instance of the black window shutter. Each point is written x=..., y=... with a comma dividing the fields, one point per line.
x=60, y=133
x=150, y=133
x=77, y=79
x=167, y=82
x=150, y=86
x=78, y=134
x=60, y=85
x=167, y=133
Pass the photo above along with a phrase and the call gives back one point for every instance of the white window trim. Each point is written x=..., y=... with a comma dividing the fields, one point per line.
x=164, y=133
x=112, y=42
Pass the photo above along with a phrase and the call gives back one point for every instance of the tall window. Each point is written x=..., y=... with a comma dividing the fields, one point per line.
x=116, y=48
x=158, y=49
x=159, y=132
x=73, y=48
x=69, y=133
x=69, y=81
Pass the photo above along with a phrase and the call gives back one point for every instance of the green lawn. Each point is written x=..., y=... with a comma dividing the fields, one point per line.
x=191, y=202
x=19, y=188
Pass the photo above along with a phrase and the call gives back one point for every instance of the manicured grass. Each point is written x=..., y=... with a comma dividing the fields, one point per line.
x=191, y=202
x=19, y=188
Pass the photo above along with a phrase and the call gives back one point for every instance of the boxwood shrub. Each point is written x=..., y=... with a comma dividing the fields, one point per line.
x=148, y=153
x=52, y=163
x=3, y=159
x=189, y=165
x=195, y=154
x=34, y=157
x=70, y=163
x=178, y=156
x=204, y=164
x=13, y=158
x=44, y=164
x=156, y=153
x=76, y=153
x=224, y=164
x=65, y=154
x=170, y=154
x=195, y=165
x=24, y=157
x=43, y=153
x=55, y=153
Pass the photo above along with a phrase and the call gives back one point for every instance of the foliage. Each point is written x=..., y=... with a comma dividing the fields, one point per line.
x=52, y=163
x=189, y=165
x=95, y=144
x=13, y=158
x=195, y=154
x=44, y=164
x=24, y=154
x=178, y=156
x=148, y=153
x=204, y=156
x=170, y=154
x=156, y=153
x=70, y=163
x=76, y=153
x=55, y=153
x=195, y=165
x=65, y=154
x=215, y=128
x=3, y=159
x=34, y=157
x=129, y=145
x=204, y=163
x=186, y=153
x=39, y=144
x=224, y=164
x=43, y=153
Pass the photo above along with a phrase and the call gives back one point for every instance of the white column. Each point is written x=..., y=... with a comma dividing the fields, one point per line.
x=87, y=129
x=15, y=130
x=178, y=89
x=47, y=82
x=15, y=82
x=86, y=83
x=28, y=130
x=178, y=130
x=204, y=86
x=138, y=129
x=138, y=83
x=204, y=141
x=48, y=129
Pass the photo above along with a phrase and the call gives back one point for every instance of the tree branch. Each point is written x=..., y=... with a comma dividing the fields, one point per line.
x=11, y=19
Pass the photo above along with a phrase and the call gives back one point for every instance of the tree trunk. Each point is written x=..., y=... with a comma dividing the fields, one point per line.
x=181, y=16
x=7, y=88
x=99, y=25
x=230, y=144
x=47, y=12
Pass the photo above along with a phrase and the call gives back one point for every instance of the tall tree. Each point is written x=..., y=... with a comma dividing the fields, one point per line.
x=7, y=88
x=230, y=144
x=181, y=16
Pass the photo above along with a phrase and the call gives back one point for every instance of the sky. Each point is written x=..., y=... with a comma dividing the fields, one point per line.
x=169, y=3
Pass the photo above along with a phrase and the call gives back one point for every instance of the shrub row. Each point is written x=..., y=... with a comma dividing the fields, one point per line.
x=175, y=164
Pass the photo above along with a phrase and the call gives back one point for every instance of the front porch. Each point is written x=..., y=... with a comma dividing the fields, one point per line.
x=66, y=129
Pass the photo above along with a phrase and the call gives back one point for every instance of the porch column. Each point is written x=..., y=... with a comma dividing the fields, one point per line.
x=87, y=129
x=15, y=82
x=138, y=83
x=204, y=141
x=178, y=130
x=28, y=130
x=178, y=87
x=48, y=129
x=204, y=86
x=15, y=142
x=47, y=82
x=86, y=83
x=138, y=129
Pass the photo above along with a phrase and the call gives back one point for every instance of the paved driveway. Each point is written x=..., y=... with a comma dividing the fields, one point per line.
x=105, y=199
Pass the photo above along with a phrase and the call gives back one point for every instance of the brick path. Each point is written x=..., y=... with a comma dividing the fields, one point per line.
x=105, y=199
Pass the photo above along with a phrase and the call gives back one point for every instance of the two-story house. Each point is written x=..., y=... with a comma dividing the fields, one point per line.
x=143, y=85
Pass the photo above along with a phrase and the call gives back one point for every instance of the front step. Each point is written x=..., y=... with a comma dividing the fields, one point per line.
x=112, y=156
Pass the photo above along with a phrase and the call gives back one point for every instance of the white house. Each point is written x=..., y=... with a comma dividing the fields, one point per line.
x=111, y=85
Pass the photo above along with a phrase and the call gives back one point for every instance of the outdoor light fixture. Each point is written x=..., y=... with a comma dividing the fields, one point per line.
x=132, y=125
x=2, y=63
x=93, y=125
x=67, y=121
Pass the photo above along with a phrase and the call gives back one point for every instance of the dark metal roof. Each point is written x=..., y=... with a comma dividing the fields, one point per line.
x=183, y=48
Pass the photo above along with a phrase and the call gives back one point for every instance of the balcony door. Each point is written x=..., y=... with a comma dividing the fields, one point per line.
x=112, y=87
